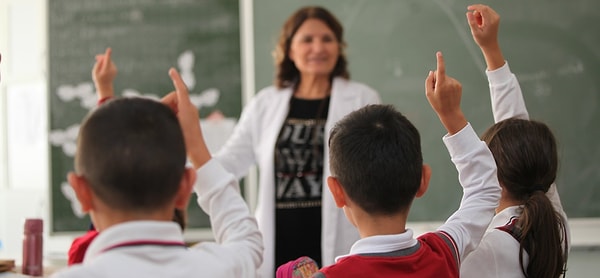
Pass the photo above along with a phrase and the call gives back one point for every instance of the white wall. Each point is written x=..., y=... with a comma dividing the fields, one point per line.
x=23, y=108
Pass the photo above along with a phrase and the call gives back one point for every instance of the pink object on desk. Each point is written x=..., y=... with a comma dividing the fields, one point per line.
x=33, y=247
x=303, y=267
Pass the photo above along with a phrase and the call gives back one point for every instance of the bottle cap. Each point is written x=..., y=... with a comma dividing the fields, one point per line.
x=34, y=226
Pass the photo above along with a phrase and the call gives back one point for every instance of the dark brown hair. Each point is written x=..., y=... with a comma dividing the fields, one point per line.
x=180, y=217
x=375, y=153
x=131, y=152
x=287, y=73
x=526, y=156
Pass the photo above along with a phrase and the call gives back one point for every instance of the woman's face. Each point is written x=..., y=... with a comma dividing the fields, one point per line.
x=314, y=48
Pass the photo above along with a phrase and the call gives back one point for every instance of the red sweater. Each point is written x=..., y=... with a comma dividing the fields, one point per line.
x=79, y=246
x=433, y=256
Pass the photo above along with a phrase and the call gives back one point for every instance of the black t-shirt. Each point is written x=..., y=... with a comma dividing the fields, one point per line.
x=299, y=181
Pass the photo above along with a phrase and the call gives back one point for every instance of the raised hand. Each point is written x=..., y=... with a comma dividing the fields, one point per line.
x=484, y=23
x=186, y=112
x=103, y=74
x=444, y=93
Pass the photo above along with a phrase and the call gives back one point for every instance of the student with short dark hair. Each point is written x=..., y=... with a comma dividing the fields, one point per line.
x=103, y=74
x=131, y=175
x=376, y=172
x=529, y=236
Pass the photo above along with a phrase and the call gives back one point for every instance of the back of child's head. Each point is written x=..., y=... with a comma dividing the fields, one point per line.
x=132, y=153
x=375, y=153
x=526, y=156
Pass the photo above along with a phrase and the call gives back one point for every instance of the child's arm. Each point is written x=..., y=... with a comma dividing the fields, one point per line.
x=505, y=91
x=484, y=23
x=443, y=93
x=239, y=242
x=507, y=99
x=473, y=160
x=103, y=74
x=187, y=114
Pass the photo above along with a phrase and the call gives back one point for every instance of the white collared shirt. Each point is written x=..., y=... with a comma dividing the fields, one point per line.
x=237, y=252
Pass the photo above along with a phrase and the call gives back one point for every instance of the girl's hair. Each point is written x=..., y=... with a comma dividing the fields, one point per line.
x=526, y=156
x=287, y=73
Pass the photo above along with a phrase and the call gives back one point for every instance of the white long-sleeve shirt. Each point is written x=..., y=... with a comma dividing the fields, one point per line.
x=154, y=248
x=498, y=253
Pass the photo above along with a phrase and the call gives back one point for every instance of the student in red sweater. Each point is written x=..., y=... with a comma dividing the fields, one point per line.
x=103, y=74
x=376, y=172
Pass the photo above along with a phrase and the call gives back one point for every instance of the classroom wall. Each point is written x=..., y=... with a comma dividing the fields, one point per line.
x=23, y=107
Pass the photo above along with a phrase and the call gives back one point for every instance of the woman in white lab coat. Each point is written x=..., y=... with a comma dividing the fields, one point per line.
x=284, y=130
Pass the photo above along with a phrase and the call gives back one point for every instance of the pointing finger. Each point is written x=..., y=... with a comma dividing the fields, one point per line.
x=108, y=52
x=180, y=87
x=106, y=62
x=441, y=67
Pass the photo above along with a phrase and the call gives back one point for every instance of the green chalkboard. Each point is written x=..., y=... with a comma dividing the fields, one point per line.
x=200, y=38
x=553, y=47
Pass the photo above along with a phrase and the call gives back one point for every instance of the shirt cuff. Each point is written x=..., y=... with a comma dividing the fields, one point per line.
x=211, y=174
x=462, y=141
x=499, y=75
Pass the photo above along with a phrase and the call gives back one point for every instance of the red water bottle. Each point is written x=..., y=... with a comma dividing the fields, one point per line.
x=33, y=247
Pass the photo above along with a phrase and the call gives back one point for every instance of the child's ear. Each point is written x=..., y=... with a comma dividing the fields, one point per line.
x=339, y=196
x=185, y=189
x=82, y=190
x=425, y=176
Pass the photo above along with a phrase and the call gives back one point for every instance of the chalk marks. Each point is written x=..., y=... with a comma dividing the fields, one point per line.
x=541, y=79
x=65, y=139
x=207, y=98
x=69, y=193
x=186, y=68
x=572, y=68
x=84, y=94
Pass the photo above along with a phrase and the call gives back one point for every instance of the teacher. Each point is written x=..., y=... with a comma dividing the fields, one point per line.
x=284, y=129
